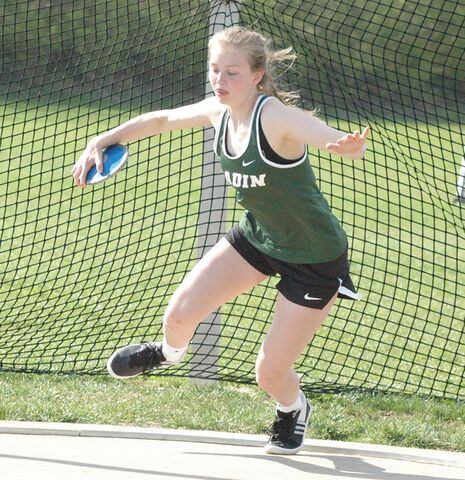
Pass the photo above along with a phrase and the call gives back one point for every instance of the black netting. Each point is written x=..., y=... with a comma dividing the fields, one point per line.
x=82, y=272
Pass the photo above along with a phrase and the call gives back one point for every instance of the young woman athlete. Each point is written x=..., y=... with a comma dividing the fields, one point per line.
x=287, y=229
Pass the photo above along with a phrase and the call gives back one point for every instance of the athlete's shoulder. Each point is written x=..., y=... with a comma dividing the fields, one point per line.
x=276, y=113
x=275, y=110
x=272, y=105
x=213, y=109
x=294, y=124
x=277, y=116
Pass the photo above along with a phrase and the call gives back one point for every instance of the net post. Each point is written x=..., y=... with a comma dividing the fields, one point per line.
x=212, y=220
x=461, y=183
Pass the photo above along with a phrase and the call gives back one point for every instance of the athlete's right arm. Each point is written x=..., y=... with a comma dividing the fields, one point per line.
x=202, y=114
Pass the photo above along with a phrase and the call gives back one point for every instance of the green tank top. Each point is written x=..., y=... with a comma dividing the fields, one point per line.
x=286, y=215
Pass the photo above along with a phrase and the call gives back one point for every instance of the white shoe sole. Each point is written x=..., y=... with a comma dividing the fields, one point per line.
x=274, y=450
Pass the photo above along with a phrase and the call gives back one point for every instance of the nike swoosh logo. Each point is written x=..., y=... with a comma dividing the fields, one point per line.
x=247, y=164
x=312, y=298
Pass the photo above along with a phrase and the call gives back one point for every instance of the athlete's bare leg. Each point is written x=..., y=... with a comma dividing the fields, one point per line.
x=221, y=275
x=292, y=329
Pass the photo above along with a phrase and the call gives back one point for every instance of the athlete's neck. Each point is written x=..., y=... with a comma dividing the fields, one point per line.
x=241, y=113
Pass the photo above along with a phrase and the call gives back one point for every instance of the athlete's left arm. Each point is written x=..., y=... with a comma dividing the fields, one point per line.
x=304, y=127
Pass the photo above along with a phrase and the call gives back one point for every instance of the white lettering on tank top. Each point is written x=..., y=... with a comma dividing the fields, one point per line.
x=245, y=181
x=258, y=181
x=237, y=179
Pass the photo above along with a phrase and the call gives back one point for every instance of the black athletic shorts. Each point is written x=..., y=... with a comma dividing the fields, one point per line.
x=311, y=285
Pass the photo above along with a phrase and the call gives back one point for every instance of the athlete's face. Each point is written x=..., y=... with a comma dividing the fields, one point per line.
x=230, y=75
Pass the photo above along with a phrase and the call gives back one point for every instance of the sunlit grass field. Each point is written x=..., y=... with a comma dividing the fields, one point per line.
x=82, y=272
x=401, y=420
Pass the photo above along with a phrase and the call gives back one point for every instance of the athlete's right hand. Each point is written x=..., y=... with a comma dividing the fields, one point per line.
x=91, y=156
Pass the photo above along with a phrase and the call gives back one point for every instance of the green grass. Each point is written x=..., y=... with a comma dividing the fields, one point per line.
x=64, y=250
x=407, y=421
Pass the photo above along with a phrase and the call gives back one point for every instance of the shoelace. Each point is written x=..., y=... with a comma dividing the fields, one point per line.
x=146, y=357
x=283, y=425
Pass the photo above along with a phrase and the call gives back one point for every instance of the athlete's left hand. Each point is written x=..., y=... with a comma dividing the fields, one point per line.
x=351, y=143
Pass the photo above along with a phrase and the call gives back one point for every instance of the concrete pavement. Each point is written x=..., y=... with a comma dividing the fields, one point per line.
x=42, y=451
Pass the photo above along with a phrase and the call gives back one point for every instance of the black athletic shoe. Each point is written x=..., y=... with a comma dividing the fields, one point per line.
x=133, y=360
x=288, y=431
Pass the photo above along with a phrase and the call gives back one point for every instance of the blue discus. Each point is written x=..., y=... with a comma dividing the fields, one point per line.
x=114, y=159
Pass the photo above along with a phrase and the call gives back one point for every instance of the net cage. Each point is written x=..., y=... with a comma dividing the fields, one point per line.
x=85, y=272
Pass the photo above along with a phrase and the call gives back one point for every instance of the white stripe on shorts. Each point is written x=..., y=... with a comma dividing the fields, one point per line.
x=347, y=292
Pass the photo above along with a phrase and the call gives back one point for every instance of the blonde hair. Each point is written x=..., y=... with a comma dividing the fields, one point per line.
x=260, y=56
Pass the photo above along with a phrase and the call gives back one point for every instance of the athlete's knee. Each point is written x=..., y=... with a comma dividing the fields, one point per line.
x=178, y=315
x=269, y=377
